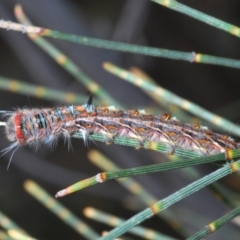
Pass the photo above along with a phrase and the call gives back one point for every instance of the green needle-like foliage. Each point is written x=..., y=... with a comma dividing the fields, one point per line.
x=229, y=158
x=193, y=13
x=170, y=200
x=212, y=227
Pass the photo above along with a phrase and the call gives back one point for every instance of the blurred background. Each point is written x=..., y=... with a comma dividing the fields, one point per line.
x=139, y=22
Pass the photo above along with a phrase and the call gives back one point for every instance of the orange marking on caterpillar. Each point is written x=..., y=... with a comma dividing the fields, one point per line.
x=166, y=116
x=47, y=125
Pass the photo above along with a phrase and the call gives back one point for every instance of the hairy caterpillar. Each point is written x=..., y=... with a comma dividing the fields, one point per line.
x=34, y=126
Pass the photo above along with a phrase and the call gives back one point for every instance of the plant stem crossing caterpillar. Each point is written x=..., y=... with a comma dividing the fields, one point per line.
x=34, y=126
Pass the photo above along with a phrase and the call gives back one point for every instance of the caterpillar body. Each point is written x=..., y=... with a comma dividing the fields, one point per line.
x=34, y=126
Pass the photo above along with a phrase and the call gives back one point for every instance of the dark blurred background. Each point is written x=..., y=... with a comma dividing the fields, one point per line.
x=133, y=21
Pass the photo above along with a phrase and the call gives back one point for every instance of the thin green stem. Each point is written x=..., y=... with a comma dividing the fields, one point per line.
x=114, y=221
x=39, y=91
x=212, y=227
x=131, y=142
x=179, y=7
x=124, y=47
x=7, y=224
x=149, y=51
x=59, y=210
x=160, y=167
x=67, y=63
x=136, y=189
x=170, y=200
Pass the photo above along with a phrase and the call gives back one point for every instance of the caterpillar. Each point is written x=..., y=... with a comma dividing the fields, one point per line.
x=35, y=126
